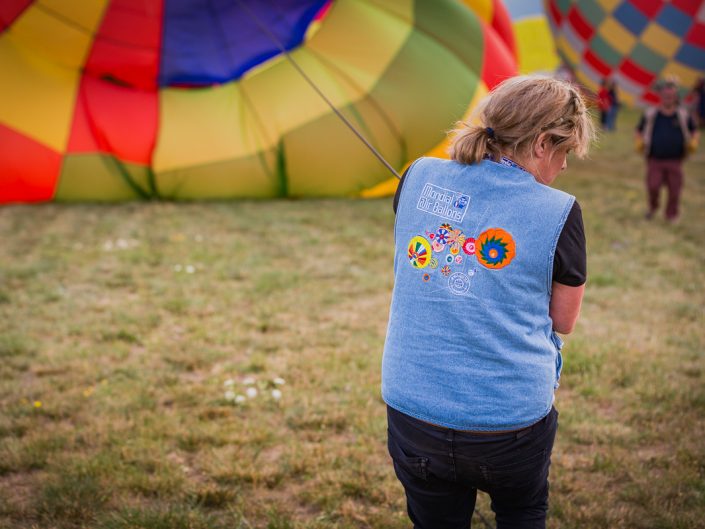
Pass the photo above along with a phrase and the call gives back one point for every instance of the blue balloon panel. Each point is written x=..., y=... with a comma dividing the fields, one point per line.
x=209, y=42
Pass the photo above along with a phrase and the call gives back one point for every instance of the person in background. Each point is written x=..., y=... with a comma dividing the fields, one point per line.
x=608, y=102
x=665, y=134
x=697, y=102
x=603, y=103
x=489, y=265
x=615, y=105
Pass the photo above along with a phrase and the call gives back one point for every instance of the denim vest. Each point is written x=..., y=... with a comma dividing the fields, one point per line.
x=470, y=343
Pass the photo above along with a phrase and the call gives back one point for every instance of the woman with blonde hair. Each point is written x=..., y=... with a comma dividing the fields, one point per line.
x=489, y=267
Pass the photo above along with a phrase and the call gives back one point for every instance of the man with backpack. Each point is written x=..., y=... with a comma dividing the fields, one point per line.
x=667, y=134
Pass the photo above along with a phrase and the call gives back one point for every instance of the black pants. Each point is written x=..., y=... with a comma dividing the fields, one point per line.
x=442, y=469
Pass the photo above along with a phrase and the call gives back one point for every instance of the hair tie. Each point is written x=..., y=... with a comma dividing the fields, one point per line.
x=490, y=132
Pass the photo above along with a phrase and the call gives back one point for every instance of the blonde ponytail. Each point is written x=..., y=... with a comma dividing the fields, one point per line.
x=472, y=143
x=516, y=112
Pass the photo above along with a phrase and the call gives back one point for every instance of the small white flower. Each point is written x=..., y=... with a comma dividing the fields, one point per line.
x=190, y=269
x=121, y=243
x=230, y=395
x=239, y=399
x=248, y=381
x=278, y=381
x=229, y=383
x=251, y=392
x=177, y=268
x=276, y=394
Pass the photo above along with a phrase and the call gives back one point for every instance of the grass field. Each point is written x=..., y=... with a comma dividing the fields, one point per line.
x=133, y=339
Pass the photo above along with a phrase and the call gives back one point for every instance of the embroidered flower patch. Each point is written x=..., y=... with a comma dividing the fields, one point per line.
x=469, y=246
x=438, y=247
x=442, y=235
x=441, y=248
x=495, y=248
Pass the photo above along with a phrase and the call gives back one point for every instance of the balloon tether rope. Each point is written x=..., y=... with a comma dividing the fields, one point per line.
x=313, y=85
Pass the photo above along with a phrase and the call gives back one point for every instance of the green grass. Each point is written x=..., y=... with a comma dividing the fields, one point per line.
x=121, y=325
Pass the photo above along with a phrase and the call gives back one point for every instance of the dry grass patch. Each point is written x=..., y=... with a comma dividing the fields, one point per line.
x=122, y=327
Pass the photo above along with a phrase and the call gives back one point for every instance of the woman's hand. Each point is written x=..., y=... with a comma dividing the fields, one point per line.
x=564, y=308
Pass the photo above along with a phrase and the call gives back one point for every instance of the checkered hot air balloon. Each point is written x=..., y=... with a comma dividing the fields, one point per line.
x=108, y=100
x=635, y=42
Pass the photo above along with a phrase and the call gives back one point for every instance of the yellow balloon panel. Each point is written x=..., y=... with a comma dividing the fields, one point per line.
x=197, y=127
x=37, y=99
x=60, y=31
x=535, y=46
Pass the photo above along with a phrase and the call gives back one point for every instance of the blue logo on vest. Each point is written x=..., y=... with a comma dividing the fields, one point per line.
x=444, y=203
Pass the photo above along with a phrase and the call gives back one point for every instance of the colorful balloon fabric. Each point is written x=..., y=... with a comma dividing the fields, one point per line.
x=498, y=29
x=109, y=100
x=495, y=248
x=635, y=42
x=536, y=51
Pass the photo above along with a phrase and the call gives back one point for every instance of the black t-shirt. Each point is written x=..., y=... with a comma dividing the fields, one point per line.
x=570, y=261
x=667, y=142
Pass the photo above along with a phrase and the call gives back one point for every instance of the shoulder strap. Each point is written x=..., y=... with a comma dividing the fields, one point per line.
x=683, y=121
x=650, y=117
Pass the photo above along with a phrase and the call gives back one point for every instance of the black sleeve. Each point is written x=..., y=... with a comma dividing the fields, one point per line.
x=570, y=261
x=691, y=124
x=642, y=123
x=398, y=192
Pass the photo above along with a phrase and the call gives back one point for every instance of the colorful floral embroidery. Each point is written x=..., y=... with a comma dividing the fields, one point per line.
x=442, y=235
x=495, y=248
x=419, y=252
x=469, y=246
x=456, y=237
x=438, y=247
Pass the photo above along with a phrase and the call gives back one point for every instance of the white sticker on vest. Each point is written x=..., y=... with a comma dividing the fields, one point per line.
x=445, y=203
x=459, y=283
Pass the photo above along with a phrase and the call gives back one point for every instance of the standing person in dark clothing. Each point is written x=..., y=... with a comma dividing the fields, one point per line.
x=697, y=96
x=666, y=132
x=611, y=123
x=604, y=102
x=608, y=102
